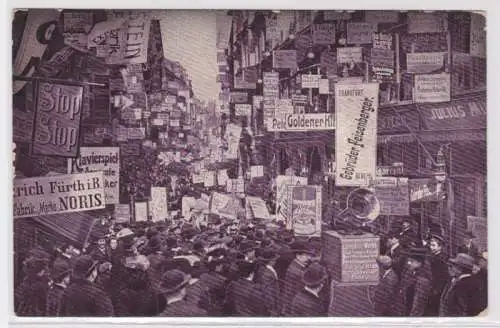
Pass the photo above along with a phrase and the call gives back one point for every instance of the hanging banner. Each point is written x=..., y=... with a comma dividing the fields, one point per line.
x=232, y=137
x=209, y=179
x=301, y=122
x=158, y=205
x=243, y=109
x=134, y=46
x=136, y=133
x=424, y=190
x=310, y=81
x=285, y=59
x=336, y=15
x=382, y=41
x=39, y=30
x=256, y=171
x=141, y=211
x=305, y=210
x=58, y=194
x=347, y=55
x=381, y=16
x=382, y=58
x=282, y=204
x=269, y=108
x=76, y=27
x=432, y=88
x=222, y=177
x=106, y=37
x=427, y=23
x=393, y=195
x=324, y=87
x=238, y=97
x=360, y=33
x=283, y=107
x=57, y=120
x=324, y=33
x=356, y=133
x=259, y=207
x=455, y=115
x=271, y=82
x=100, y=159
x=188, y=203
x=422, y=63
x=235, y=185
x=329, y=62
x=477, y=35
x=122, y=213
x=225, y=205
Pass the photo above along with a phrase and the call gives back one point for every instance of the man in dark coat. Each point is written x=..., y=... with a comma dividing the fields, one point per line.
x=267, y=277
x=415, y=287
x=293, y=278
x=101, y=252
x=173, y=286
x=407, y=236
x=385, y=291
x=307, y=302
x=481, y=277
x=83, y=298
x=60, y=276
x=243, y=294
x=438, y=261
x=394, y=250
x=468, y=246
x=461, y=295
x=30, y=296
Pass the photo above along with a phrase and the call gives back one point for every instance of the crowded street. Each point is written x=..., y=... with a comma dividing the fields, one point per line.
x=249, y=163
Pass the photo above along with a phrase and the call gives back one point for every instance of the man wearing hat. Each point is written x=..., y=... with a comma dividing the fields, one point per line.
x=173, y=286
x=461, y=293
x=438, y=261
x=408, y=237
x=468, y=246
x=293, y=277
x=394, y=250
x=243, y=294
x=308, y=302
x=61, y=272
x=31, y=295
x=267, y=277
x=386, y=289
x=415, y=287
x=83, y=298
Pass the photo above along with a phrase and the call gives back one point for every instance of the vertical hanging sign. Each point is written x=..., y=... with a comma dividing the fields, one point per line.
x=356, y=133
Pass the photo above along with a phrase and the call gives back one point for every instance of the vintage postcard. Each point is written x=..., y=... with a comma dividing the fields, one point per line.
x=249, y=163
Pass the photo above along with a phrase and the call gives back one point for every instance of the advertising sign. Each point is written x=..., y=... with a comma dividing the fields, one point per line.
x=305, y=210
x=478, y=35
x=100, y=159
x=356, y=133
x=256, y=171
x=427, y=22
x=38, y=31
x=324, y=33
x=457, y=114
x=283, y=107
x=232, y=136
x=282, y=203
x=301, y=122
x=393, y=195
x=76, y=27
x=347, y=55
x=424, y=190
x=271, y=85
x=238, y=97
x=336, y=15
x=310, y=81
x=243, y=109
x=158, y=205
x=425, y=62
x=58, y=194
x=122, y=213
x=223, y=26
x=225, y=205
x=134, y=45
x=381, y=16
x=329, y=62
x=285, y=59
x=258, y=207
x=382, y=41
x=432, y=88
x=324, y=87
x=235, y=185
x=57, y=120
x=141, y=211
x=360, y=33
x=22, y=126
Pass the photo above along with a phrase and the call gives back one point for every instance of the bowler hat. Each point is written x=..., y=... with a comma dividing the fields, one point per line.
x=267, y=255
x=173, y=281
x=314, y=275
x=416, y=253
x=300, y=247
x=469, y=234
x=384, y=261
x=464, y=261
x=438, y=238
x=155, y=243
x=84, y=265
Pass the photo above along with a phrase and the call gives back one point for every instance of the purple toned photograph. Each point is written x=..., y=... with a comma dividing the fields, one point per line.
x=249, y=163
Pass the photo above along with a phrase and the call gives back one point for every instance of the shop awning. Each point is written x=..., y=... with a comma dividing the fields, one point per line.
x=72, y=226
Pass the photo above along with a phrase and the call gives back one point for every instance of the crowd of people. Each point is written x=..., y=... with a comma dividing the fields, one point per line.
x=237, y=269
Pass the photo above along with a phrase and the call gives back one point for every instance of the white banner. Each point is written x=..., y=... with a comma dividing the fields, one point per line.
x=96, y=159
x=432, y=88
x=58, y=194
x=256, y=171
x=393, y=195
x=310, y=81
x=222, y=177
x=360, y=33
x=141, y=211
x=235, y=185
x=122, y=213
x=301, y=122
x=305, y=210
x=159, y=203
x=259, y=207
x=324, y=33
x=188, y=204
x=356, y=133
x=232, y=136
x=243, y=109
x=425, y=62
x=282, y=183
x=283, y=106
x=324, y=87
x=209, y=179
x=347, y=55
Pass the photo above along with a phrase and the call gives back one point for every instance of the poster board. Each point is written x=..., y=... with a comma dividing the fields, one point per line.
x=305, y=210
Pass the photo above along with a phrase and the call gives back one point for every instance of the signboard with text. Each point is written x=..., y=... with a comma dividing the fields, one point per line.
x=301, y=122
x=58, y=194
x=393, y=195
x=305, y=210
x=432, y=88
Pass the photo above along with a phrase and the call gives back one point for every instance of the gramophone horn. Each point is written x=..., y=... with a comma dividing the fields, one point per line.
x=362, y=204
